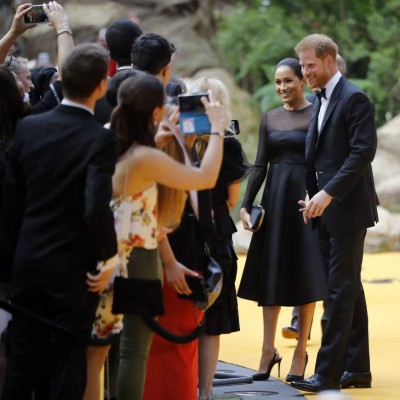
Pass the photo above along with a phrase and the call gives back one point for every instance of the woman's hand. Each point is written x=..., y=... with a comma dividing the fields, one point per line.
x=18, y=26
x=175, y=273
x=219, y=116
x=245, y=217
x=57, y=16
x=164, y=131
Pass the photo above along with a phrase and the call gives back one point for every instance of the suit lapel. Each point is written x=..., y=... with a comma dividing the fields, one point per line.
x=312, y=133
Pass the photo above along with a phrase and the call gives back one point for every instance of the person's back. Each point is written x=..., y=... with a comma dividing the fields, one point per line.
x=58, y=204
x=56, y=199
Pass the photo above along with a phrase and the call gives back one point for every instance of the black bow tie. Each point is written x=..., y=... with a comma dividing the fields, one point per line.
x=321, y=93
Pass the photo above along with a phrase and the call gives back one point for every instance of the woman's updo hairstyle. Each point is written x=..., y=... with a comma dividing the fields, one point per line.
x=132, y=119
x=293, y=64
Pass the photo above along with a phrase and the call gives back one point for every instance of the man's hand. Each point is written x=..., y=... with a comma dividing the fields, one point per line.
x=97, y=283
x=245, y=217
x=316, y=206
x=18, y=26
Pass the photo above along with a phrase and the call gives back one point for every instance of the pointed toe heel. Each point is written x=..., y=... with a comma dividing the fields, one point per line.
x=264, y=376
x=292, y=377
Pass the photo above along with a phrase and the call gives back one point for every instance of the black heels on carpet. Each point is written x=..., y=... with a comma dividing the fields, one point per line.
x=291, y=377
x=263, y=376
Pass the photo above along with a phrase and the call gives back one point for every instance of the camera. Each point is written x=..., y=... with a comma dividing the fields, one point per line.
x=193, y=118
x=36, y=15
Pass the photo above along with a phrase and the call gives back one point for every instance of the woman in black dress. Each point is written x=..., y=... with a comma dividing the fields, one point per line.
x=283, y=266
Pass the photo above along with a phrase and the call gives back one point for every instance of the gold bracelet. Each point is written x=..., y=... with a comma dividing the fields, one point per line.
x=60, y=32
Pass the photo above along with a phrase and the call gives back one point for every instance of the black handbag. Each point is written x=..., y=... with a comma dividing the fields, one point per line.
x=137, y=296
x=207, y=288
x=257, y=213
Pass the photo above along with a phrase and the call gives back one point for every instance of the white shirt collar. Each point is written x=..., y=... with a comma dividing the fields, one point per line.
x=124, y=67
x=70, y=103
x=330, y=86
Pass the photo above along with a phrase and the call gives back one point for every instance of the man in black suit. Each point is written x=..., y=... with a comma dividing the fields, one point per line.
x=340, y=146
x=56, y=198
x=119, y=36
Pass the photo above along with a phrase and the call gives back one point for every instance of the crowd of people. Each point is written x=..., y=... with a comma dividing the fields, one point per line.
x=99, y=186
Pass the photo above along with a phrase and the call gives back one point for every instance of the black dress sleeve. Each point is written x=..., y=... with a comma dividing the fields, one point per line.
x=234, y=162
x=260, y=167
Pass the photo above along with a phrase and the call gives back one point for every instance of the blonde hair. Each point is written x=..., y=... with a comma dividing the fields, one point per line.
x=220, y=93
x=323, y=45
x=16, y=63
x=171, y=202
x=215, y=86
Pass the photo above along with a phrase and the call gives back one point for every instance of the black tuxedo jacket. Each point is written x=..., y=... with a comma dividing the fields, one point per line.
x=57, y=193
x=339, y=159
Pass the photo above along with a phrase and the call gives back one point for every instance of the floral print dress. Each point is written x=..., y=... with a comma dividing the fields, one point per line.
x=135, y=219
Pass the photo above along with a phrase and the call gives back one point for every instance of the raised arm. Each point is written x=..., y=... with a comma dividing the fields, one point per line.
x=156, y=166
x=18, y=27
x=59, y=20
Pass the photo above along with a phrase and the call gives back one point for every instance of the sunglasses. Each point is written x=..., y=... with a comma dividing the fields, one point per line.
x=10, y=60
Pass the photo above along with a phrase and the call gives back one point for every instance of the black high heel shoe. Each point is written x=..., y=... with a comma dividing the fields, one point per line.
x=291, y=377
x=263, y=376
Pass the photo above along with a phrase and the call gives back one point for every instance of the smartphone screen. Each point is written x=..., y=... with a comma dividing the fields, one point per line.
x=36, y=15
x=191, y=103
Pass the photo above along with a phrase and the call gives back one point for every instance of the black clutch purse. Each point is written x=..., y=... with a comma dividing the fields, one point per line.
x=207, y=288
x=138, y=296
x=256, y=217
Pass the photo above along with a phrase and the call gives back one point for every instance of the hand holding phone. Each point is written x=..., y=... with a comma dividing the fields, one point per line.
x=36, y=15
x=192, y=114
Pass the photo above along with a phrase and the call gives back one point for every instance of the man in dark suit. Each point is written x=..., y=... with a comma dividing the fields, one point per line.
x=56, y=198
x=340, y=146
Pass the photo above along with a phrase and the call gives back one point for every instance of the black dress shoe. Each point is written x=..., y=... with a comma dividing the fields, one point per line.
x=356, y=379
x=316, y=383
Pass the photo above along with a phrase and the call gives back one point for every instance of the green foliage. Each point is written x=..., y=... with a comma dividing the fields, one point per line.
x=259, y=33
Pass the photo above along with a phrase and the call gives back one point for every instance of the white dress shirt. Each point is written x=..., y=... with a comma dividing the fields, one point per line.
x=330, y=86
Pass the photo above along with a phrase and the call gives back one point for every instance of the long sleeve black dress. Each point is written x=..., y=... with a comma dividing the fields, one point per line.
x=283, y=265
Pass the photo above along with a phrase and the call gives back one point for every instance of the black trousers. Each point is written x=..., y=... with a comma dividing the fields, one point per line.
x=345, y=345
x=38, y=353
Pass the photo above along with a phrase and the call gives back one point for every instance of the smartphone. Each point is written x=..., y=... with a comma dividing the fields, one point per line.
x=36, y=15
x=233, y=129
x=192, y=114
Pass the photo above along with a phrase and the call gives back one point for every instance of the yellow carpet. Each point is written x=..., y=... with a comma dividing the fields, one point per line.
x=381, y=277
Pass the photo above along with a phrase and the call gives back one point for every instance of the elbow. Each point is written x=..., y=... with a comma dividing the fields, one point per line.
x=209, y=182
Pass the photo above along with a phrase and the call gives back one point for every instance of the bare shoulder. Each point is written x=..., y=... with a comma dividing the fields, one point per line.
x=145, y=155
